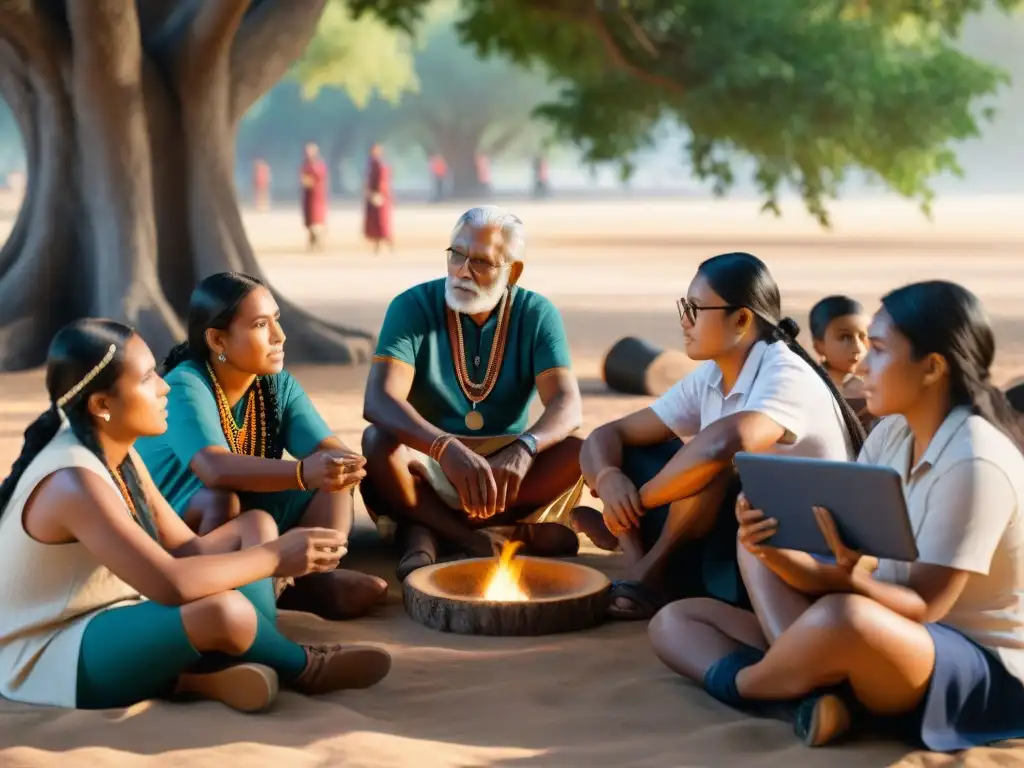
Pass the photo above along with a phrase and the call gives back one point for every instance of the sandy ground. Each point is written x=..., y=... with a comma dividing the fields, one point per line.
x=595, y=698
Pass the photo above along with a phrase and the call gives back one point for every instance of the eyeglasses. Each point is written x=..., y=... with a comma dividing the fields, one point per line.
x=479, y=267
x=688, y=310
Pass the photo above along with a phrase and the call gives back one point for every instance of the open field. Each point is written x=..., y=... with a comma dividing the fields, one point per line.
x=598, y=698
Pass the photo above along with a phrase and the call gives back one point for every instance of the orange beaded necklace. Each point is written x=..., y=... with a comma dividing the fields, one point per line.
x=244, y=440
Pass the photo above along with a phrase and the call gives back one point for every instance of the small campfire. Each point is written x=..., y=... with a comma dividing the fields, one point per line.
x=505, y=584
x=507, y=595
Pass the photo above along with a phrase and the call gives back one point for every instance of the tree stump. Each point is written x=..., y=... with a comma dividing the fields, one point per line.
x=634, y=366
x=564, y=597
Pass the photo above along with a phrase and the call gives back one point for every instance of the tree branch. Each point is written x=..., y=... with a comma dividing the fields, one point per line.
x=618, y=57
x=589, y=14
x=505, y=139
x=272, y=37
x=209, y=36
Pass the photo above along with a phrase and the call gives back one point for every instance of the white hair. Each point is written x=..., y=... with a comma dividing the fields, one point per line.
x=512, y=229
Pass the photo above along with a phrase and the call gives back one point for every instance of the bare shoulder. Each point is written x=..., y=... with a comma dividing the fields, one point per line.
x=64, y=499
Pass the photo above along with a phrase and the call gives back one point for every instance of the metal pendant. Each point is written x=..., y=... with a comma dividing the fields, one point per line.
x=474, y=420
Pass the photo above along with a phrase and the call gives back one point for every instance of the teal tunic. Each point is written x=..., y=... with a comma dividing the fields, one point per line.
x=415, y=331
x=193, y=423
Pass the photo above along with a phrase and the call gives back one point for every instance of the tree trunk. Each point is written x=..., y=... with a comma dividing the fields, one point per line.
x=130, y=136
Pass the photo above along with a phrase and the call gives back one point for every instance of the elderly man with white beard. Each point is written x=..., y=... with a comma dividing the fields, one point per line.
x=450, y=456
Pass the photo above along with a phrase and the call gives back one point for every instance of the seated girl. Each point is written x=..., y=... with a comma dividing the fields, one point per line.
x=839, y=330
x=234, y=411
x=934, y=648
x=106, y=597
x=758, y=391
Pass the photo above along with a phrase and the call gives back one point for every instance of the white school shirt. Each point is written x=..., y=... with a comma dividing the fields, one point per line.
x=774, y=381
x=965, y=498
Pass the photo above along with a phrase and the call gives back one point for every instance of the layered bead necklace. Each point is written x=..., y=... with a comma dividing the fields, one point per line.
x=477, y=392
x=123, y=488
x=244, y=440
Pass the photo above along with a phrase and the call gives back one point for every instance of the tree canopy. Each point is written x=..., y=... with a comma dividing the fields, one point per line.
x=429, y=89
x=809, y=90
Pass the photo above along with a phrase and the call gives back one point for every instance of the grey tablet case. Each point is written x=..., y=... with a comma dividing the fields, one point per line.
x=866, y=502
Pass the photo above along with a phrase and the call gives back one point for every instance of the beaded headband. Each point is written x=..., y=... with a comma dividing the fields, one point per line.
x=70, y=394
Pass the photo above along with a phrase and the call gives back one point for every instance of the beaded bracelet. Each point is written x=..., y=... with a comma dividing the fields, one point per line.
x=298, y=476
x=437, y=447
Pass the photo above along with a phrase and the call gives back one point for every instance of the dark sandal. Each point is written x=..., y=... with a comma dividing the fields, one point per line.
x=720, y=679
x=825, y=717
x=646, y=600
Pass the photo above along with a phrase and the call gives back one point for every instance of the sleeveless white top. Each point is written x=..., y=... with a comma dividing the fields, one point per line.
x=49, y=592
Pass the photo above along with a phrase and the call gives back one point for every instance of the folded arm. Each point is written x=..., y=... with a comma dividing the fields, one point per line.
x=708, y=453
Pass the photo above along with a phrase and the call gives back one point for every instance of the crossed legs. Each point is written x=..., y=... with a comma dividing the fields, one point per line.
x=390, y=485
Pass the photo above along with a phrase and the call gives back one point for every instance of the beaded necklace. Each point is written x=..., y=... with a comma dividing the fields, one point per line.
x=123, y=488
x=243, y=440
x=477, y=392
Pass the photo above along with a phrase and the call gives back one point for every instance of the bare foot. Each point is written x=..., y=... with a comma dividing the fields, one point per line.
x=590, y=522
x=335, y=596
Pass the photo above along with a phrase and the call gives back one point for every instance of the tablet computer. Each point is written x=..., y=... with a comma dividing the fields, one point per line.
x=866, y=502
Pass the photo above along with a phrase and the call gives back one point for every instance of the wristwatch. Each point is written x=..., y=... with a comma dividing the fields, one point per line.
x=530, y=442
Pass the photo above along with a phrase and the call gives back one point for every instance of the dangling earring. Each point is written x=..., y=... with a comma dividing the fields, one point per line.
x=222, y=357
x=105, y=416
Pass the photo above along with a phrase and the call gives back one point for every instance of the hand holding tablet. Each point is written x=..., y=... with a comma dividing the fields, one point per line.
x=831, y=508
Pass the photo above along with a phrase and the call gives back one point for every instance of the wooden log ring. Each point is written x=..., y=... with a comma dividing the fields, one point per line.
x=564, y=597
x=634, y=366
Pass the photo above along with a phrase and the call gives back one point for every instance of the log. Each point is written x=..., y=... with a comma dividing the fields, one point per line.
x=634, y=366
x=564, y=597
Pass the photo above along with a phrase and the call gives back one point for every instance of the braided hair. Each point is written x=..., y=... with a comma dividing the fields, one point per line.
x=75, y=370
x=743, y=281
x=213, y=305
x=943, y=318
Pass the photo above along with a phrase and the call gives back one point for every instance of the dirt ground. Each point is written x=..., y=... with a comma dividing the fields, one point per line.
x=614, y=269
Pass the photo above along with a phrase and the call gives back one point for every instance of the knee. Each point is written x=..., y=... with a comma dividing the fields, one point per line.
x=230, y=619
x=378, y=445
x=210, y=509
x=667, y=630
x=262, y=525
x=845, y=615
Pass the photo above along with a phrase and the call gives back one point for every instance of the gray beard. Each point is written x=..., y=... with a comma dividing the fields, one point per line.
x=484, y=301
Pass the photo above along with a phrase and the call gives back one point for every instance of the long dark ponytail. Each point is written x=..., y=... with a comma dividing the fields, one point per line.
x=943, y=318
x=85, y=357
x=213, y=305
x=743, y=280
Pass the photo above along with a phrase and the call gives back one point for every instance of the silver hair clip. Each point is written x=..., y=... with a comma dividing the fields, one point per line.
x=68, y=396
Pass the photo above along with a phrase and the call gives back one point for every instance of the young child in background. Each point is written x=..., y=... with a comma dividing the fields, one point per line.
x=839, y=330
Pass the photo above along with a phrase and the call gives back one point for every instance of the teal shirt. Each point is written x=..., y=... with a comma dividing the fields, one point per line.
x=193, y=423
x=415, y=331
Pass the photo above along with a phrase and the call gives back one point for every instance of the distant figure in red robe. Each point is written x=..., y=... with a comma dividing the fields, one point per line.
x=540, y=177
x=314, y=196
x=439, y=174
x=261, y=184
x=377, y=215
x=483, y=174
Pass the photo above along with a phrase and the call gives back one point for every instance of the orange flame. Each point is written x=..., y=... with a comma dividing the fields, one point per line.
x=504, y=585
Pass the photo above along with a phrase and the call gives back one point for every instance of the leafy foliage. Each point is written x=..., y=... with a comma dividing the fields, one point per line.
x=809, y=90
x=362, y=56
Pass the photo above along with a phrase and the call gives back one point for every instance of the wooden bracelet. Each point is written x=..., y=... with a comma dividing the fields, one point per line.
x=298, y=476
x=601, y=476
